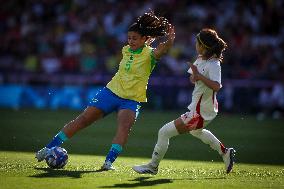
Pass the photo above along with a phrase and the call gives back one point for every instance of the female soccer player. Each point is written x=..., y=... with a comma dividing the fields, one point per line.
x=206, y=75
x=127, y=89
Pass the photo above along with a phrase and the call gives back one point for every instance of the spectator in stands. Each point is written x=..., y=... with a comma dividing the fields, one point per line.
x=271, y=102
x=256, y=42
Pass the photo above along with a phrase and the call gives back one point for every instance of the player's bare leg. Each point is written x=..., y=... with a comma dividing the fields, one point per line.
x=86, y=118
x=89, y=116
x=125, y=120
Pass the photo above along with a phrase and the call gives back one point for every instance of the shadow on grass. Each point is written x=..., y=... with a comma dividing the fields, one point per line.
x=144, y=181
x=140, y=181
x=61, y=173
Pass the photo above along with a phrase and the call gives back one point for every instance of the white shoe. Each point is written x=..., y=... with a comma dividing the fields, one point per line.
x=145, y=169
x=107, y=166
x=229, y=159
x=41, y=155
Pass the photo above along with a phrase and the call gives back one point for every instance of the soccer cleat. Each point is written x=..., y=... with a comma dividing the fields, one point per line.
x=145, y=169
x=42, y=154
x=107, y=166
x=229, y=159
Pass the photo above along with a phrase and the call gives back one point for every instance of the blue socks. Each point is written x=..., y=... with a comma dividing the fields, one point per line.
x=114, y=151
x=58, y=140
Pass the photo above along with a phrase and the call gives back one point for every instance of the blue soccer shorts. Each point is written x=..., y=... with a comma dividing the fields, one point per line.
x=109, y=102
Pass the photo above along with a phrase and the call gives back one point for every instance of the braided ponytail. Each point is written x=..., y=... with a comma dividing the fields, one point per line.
x=150, y=25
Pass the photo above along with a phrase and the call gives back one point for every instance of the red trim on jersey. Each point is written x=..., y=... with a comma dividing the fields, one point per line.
x=213, y=97
x=198, y=105
x=200, y=118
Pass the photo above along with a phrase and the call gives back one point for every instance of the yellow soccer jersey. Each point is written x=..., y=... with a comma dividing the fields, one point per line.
x=131, y=80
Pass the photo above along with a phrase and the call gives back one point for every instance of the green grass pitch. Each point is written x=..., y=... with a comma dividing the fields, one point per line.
x=188, y=164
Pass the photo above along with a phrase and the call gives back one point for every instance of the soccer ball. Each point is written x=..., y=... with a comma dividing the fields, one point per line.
x=57, y=157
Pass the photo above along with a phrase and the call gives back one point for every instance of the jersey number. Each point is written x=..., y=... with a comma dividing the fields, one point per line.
x=128, y=64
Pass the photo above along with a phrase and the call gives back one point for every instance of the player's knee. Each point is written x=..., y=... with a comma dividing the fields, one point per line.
x=196, y=133
x=168, y=130
x=207, y=132
x=163, y=138
x=162, y=132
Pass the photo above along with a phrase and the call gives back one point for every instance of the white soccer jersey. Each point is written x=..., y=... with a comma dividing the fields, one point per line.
x=204, y=100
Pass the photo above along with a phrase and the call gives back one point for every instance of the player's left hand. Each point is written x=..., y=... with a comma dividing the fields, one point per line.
x=195, y=73
x=150, y=40
x=171, y=34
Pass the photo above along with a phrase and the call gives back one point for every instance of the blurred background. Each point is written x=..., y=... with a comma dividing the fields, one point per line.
x=57, y=53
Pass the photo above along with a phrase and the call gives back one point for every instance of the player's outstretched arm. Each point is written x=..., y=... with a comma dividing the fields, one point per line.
x=165, y=46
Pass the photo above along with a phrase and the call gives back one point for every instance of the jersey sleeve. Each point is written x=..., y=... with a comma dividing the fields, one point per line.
x=215, y=72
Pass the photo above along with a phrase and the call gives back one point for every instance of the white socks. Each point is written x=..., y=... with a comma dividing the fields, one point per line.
x=208, y=138
x=165, y=133
x=169, y=130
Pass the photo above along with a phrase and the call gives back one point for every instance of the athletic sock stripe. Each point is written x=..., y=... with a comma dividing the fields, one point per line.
x=223, y=148
x=147, y=171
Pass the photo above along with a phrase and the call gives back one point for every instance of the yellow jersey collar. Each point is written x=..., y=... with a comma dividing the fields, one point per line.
x=137, y=51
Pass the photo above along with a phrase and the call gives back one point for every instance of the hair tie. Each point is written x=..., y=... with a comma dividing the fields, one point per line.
x=198, y=38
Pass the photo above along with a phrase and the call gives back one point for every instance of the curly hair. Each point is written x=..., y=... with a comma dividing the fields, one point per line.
x=214, y=45
x=150, y=25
